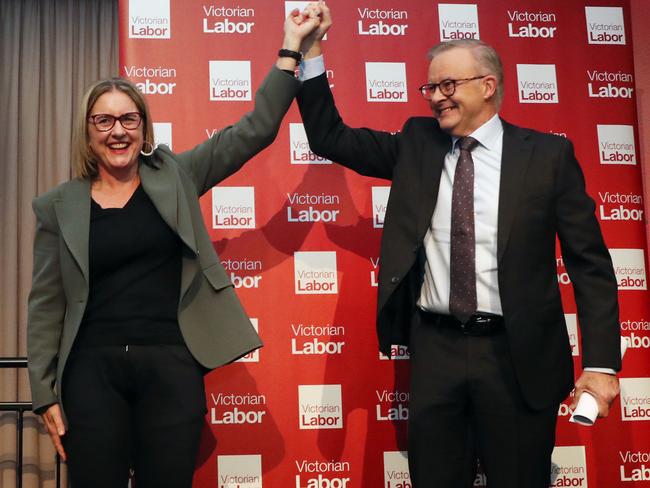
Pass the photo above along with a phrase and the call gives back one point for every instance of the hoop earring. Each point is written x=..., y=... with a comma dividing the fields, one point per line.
x=149, y=152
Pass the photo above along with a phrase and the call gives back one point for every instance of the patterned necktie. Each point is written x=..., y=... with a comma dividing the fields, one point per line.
x=462, y=292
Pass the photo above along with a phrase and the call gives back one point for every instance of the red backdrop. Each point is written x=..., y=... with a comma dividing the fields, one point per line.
x=317, y=406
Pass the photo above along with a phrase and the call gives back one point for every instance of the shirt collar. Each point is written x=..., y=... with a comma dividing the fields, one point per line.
x=488, y=135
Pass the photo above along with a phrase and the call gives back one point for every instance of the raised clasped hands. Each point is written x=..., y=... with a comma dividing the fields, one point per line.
x=307, y=27
x=311, y=45
x=299, y=25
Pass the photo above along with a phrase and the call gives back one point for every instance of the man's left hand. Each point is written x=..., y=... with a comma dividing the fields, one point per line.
x=603, y=387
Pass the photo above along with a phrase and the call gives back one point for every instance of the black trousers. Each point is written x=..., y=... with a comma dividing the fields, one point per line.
x=465, y=404
x=135, y=407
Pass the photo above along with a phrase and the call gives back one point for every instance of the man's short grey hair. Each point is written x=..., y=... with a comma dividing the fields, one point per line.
x=485, y=55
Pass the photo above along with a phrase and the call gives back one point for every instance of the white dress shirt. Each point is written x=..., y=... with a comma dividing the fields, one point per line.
x=434, y=296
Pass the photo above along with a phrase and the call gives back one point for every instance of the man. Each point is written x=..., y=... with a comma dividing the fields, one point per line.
x=468, y=277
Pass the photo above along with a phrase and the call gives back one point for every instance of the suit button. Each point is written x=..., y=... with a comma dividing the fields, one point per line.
x=394, y=280
x=415, y=249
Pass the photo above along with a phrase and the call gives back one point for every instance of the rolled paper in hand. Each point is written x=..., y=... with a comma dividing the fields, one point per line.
x=586, y=411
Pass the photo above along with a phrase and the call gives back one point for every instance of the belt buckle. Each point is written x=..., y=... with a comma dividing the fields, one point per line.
x=481, y=320
x=479, y=325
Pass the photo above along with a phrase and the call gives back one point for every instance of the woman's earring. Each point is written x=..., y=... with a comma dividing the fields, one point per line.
x=148, y=152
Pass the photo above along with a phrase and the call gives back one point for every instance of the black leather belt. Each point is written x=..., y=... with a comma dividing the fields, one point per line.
x=479, y=324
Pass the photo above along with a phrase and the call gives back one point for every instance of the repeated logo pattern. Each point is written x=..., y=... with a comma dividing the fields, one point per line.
x=299, y=237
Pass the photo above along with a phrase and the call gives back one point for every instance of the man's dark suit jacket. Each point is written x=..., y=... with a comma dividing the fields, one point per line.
x=542, y=195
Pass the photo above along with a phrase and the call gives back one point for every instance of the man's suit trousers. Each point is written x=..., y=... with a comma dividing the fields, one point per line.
x=466, y=405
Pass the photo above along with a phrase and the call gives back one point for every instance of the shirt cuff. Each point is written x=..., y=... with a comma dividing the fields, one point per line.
x=311, y=68
x=601, y=370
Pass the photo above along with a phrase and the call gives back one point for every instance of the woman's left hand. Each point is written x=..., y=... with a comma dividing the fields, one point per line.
x=53, y=420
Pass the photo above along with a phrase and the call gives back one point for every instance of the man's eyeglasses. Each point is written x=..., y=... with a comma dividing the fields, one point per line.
x=447, y=87
x=105, y=122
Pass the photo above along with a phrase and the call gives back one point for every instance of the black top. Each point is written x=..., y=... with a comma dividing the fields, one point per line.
x=135, y=276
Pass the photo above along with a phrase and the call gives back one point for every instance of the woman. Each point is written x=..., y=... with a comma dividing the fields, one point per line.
x=129, y=302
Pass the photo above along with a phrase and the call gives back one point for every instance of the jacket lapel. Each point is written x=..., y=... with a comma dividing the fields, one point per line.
x=73, y=214
x=515, y=158
x=163, y=187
